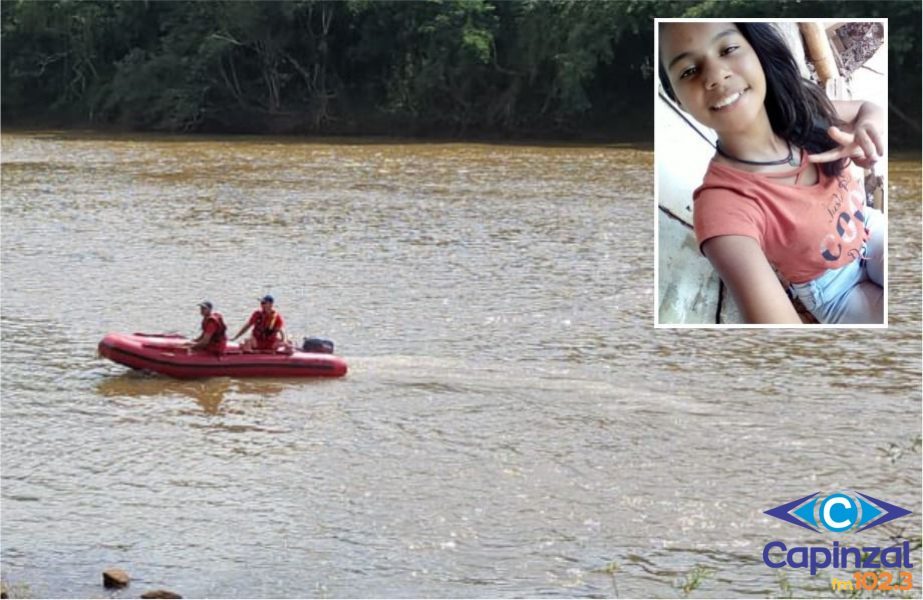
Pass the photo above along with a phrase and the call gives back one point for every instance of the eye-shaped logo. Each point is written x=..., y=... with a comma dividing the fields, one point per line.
x=837, y=512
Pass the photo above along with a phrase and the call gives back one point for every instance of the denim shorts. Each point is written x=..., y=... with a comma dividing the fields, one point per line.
x=853, y=293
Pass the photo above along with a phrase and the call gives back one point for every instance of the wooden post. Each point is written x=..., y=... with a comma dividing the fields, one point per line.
x=815, y=38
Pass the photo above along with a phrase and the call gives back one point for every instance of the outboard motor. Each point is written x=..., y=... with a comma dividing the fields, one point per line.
x=318, y=345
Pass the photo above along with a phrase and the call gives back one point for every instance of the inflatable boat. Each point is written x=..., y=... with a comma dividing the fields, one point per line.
x=164, y=354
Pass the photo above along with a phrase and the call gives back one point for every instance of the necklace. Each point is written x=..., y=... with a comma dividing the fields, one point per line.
x=790, y=159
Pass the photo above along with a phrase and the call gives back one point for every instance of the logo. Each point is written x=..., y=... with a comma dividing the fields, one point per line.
x=842, y=512
x=839, y=512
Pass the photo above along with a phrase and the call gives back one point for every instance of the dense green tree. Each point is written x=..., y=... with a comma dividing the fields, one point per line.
x=429, y=67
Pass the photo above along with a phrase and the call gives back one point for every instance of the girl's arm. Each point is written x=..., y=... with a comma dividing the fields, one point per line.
x=862, y=139
x=743, y=267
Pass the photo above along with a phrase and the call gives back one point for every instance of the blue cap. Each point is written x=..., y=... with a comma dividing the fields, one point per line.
x=267, y=298
x=205, y=304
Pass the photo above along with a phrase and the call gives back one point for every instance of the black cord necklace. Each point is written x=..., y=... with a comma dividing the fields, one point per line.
x=790, y=159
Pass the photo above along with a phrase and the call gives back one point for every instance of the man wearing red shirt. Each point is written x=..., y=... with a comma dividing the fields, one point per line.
x=214, y=337
x=267, y=325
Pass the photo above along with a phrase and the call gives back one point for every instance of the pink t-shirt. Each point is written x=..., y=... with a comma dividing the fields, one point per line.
x=803, y=230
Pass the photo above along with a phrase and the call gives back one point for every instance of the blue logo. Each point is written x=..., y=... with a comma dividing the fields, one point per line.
x=839, y=512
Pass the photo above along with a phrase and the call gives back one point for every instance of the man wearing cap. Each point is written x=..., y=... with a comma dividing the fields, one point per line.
x=267, y=324
x=214, y=337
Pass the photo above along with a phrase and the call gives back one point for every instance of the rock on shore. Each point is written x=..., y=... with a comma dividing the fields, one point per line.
x=115, y=578
x=160, y=594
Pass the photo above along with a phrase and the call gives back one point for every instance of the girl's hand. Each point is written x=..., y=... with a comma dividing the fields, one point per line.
x=862, y=142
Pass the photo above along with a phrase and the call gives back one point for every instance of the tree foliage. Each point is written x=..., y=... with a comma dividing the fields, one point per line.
x=437, y=67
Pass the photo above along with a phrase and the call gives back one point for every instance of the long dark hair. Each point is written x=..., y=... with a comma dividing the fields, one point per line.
x=798, y=110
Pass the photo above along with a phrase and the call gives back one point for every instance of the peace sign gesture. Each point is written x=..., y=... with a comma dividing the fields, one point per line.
x=861, y=140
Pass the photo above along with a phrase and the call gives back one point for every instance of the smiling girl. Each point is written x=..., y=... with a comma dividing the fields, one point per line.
x=777, y=195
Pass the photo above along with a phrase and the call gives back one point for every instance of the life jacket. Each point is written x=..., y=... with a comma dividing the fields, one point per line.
x=221, y=334
x=263, y=328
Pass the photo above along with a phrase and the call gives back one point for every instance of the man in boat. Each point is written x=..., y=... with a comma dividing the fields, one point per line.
x=214, y=337
x=268, y=335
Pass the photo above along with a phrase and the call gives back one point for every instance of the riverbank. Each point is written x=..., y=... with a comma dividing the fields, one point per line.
x=636, y=130
x=639, y=135
x=116, y=133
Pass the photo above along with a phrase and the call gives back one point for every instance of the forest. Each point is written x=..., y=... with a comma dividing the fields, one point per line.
x=556, y=69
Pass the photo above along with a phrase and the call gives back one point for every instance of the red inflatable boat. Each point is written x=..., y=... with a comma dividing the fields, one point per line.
x=161, y=353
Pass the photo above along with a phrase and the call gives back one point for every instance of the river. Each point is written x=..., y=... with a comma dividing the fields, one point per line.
x=512, y=424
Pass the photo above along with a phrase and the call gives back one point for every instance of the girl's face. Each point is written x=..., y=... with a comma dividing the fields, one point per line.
x=715, y=74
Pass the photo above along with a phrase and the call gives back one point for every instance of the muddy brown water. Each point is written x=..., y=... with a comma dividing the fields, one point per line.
x=512, y=425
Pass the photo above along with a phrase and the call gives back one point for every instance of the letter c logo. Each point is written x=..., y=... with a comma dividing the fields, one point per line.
x=838, y=512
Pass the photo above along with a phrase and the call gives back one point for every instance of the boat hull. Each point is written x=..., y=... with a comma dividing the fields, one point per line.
x=164, y=354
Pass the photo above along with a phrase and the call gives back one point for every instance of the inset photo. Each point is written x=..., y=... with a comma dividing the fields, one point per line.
x=770, y=164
